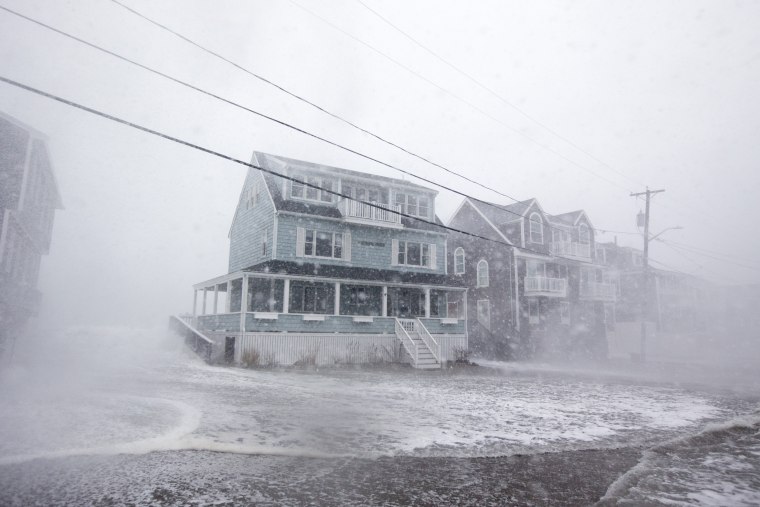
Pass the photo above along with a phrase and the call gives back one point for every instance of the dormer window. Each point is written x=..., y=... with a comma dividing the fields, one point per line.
x=415, y=205
x=318, y=189
x=536, y=228
x=583, y=234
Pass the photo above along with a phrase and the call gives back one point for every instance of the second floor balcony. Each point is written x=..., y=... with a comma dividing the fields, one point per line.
x=598, y=291
x=377, y=214
x=545, y=286
x=580, y=251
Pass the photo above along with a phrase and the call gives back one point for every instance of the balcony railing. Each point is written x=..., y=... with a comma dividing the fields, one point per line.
x=547, y=286
x=572, y=249
x=364, y=212
x=599, y=291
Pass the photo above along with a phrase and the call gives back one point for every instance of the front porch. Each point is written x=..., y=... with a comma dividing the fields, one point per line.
x=292, y=318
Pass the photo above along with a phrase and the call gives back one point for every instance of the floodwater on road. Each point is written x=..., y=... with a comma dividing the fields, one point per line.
x=123, y=415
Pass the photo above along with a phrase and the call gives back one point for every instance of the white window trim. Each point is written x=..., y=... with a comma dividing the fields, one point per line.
x=479, y=274
x=459, y=252
x=485, y=303
x=432, y=256
x=405, y=204
x=581, y=228
x=303, y=179
x=540, y=223
x=345, y=244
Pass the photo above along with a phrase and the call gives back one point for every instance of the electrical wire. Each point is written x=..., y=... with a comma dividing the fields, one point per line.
x=270, y=118
x=457, y=97
x=494, y=94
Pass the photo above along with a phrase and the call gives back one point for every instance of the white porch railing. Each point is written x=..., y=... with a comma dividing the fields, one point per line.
x=572, y=249
x=556, y=286
x=377, y=213
x=430, y=342
x=599, y=291
x=406, y=340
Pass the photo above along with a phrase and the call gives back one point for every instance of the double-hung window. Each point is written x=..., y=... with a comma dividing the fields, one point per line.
x=459, y=261
x=312, y=188
x=412, y=253
x=415, y=205
x=323, y=244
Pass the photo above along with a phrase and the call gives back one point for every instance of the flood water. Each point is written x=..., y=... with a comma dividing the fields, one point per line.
x=119, y=416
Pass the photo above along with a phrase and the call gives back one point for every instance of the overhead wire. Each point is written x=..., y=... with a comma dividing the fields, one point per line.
x=230, y=158
x=271, y=118
x=457, y=97
x=494, y=94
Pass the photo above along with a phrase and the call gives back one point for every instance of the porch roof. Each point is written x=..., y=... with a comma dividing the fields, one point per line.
x=390, y=276
x=342, y=274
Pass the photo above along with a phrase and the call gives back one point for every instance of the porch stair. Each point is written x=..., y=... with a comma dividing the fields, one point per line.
x=419, y=344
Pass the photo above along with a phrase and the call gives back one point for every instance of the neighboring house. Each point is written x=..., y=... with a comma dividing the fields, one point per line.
x=533, y=284
x=678, y=302
x=325, y=279
x=28, y=200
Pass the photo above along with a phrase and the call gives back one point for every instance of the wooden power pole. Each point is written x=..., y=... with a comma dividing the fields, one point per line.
x=645, y=271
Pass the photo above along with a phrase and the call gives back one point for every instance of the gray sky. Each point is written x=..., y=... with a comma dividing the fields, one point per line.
x=660, y=93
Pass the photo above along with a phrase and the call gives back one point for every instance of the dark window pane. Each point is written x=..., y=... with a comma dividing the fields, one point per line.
x=324, y=244
x=413, y=254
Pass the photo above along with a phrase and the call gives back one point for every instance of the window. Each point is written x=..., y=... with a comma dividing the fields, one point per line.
x=583, y=234
x=459, y=261
x=317, y=189
x=533, y=311
x=536, y=227
x=323, y=244
x=253, y=195
x=418, y=206
x=484, y=313
x=411, y=253
x=482, y=273
x=264, y=241
x=535, y=269
x=314, y=243
x=311, y=297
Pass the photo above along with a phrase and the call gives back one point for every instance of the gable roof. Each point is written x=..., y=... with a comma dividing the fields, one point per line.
x=278, y=164
x=500, y=214
x=570, y=218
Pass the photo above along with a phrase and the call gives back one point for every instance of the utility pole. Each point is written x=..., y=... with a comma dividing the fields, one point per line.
x=645, y=271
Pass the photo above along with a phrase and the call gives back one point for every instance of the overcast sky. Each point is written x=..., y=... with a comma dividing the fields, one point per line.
x=635, y=93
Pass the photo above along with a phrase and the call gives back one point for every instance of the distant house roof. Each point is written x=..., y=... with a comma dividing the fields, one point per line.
x=500, y=214
x=277, y=164
x=570, y=218
x=355, y=273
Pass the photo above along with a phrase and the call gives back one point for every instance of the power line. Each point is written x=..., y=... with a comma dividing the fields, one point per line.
x=457, y=97
x=209, y=151
x=306, y=101
x=696, y=252
x=704, y=250
x=493, y=93
x=267, y=117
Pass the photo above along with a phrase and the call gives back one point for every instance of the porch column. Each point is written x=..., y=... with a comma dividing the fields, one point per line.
x=385, y=300
x=427, y=302
x=205, y=293
x=216, y=298
x=337, y=298
x=228, y=302
x=195, y=304
x=286, y=296
x=243, y=302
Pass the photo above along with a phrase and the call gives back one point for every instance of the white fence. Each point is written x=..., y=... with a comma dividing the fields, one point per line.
x=543, y=284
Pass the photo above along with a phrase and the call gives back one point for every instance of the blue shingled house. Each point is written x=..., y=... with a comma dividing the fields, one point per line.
x=323, y=278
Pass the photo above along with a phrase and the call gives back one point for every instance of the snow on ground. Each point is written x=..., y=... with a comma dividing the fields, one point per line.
x=100, y=391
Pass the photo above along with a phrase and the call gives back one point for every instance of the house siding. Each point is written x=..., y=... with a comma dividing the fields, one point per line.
x=249, y=225
x=370, y=246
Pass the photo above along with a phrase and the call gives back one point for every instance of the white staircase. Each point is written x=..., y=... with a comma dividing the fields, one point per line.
x=419, y=344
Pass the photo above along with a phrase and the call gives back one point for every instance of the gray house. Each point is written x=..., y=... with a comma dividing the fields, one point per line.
x=28, y=200
x=534, y=283
x=330, y=266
